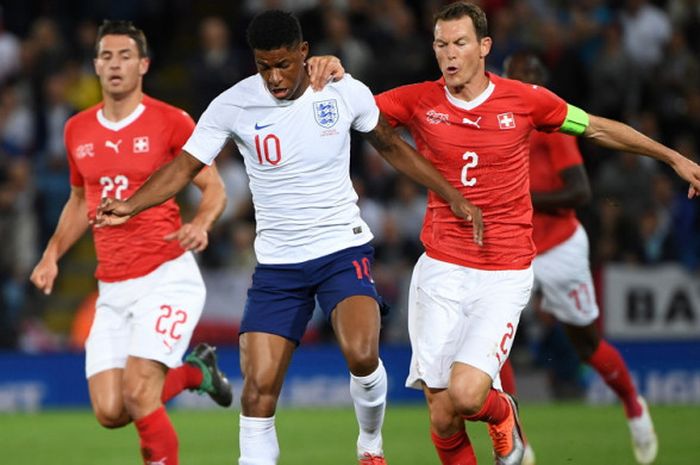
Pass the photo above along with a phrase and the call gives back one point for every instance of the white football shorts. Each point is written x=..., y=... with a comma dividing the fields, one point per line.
x=150, y=317
x=460, y=314
x=563, y=274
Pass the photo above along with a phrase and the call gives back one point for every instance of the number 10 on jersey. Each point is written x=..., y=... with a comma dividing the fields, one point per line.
x=268, y=149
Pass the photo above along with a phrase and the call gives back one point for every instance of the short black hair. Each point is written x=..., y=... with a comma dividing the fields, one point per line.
x=274, y=29
x=122, y=28
x=458, y=10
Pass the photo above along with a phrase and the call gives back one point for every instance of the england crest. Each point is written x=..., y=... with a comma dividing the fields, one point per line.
x=326, y=113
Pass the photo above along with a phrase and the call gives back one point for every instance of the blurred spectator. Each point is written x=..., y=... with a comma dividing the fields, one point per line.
x=83, y=87
x=627, y=180
x=405, y=54
x=9, y=52
x=49, y=51
x=217, y=65
x=505, y=40
x=681, y=74
x=373, y=212
x=646, y=31
x=17, y=122
x=588, y=19
x=614, y=237
x=612, y=79
x=339, y=41
x=408, y=209
x=51, y=165
x=685, y=15
x=18, y=247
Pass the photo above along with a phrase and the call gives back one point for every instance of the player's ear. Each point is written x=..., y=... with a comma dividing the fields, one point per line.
x=485, y=47
x=304, y=50
x=144, y=64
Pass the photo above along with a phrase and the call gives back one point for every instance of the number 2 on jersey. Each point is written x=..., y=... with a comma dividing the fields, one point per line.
x=118, y=184
x=472, y=159
x=271, y=149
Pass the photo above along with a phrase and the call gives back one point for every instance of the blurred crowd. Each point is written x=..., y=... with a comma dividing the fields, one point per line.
x=633, y=60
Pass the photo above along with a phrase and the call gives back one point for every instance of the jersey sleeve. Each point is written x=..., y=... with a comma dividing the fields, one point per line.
x=365, y=114
x=548, y=109
x=397, y=104
x=182, y=126
x=212, y=131
x=76, y=179
x=564, y=151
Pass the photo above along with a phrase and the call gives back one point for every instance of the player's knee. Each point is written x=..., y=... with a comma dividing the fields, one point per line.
x=258, y=399
x=467, y=400
x=112, y=418
x=443, y=423
x=363, y=361
x=139, y=397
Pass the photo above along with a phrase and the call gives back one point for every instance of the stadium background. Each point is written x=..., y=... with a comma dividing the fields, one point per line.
x=633, y=60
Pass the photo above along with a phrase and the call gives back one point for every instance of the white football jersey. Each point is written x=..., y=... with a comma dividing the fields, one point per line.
x=297, y=156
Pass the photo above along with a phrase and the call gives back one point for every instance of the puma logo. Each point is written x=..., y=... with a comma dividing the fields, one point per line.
x=473, y=123
x=112, y=145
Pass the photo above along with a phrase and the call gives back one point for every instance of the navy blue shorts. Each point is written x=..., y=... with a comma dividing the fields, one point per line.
x=281, y=299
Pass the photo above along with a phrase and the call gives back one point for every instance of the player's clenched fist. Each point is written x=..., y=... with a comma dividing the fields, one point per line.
x=112, y=212
x=191, y=237
x=44, y=275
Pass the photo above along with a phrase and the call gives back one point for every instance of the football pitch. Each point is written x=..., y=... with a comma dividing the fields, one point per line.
x=561, y=434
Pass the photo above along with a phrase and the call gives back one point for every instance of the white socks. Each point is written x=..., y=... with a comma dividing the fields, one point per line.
x=258, y=441
x=369, y=396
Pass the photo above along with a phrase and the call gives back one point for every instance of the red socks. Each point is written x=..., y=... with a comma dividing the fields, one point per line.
x=508, y=378
x=158, y=438
x=495, y=409
x=178, y=379
x=455, y=450
x=608, y=362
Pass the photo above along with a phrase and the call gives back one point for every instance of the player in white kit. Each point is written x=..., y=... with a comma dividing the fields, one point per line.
x=311, y=241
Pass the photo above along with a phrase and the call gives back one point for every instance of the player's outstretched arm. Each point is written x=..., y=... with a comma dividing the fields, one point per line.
x=619, y=136
x=406, y=160
x=163, y=184
x=71, y=226
x=195, y=234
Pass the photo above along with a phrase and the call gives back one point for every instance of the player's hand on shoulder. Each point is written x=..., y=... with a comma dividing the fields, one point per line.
x=44, y=274
x=111, y=212
x=191, y=237
x=324, y=69
x=466, y=210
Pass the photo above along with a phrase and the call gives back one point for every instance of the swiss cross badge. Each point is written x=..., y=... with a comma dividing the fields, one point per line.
x=140, y=144
x=506, y=120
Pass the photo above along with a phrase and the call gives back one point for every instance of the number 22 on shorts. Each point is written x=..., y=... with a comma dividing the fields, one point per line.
x=507, y=336
x=168, y=321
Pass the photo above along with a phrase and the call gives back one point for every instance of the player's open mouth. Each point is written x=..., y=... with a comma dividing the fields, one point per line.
x=451, y=70
x=115, y=79
x=279, y=92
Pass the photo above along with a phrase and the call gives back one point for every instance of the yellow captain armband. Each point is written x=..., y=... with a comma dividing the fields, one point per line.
x=576, y=121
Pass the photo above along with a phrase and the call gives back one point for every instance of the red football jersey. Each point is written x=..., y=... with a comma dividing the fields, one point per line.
x=113, y=160
x=549, y=155
x=482, y=148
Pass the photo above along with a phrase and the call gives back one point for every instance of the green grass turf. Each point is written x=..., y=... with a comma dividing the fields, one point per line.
x=561, y=434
